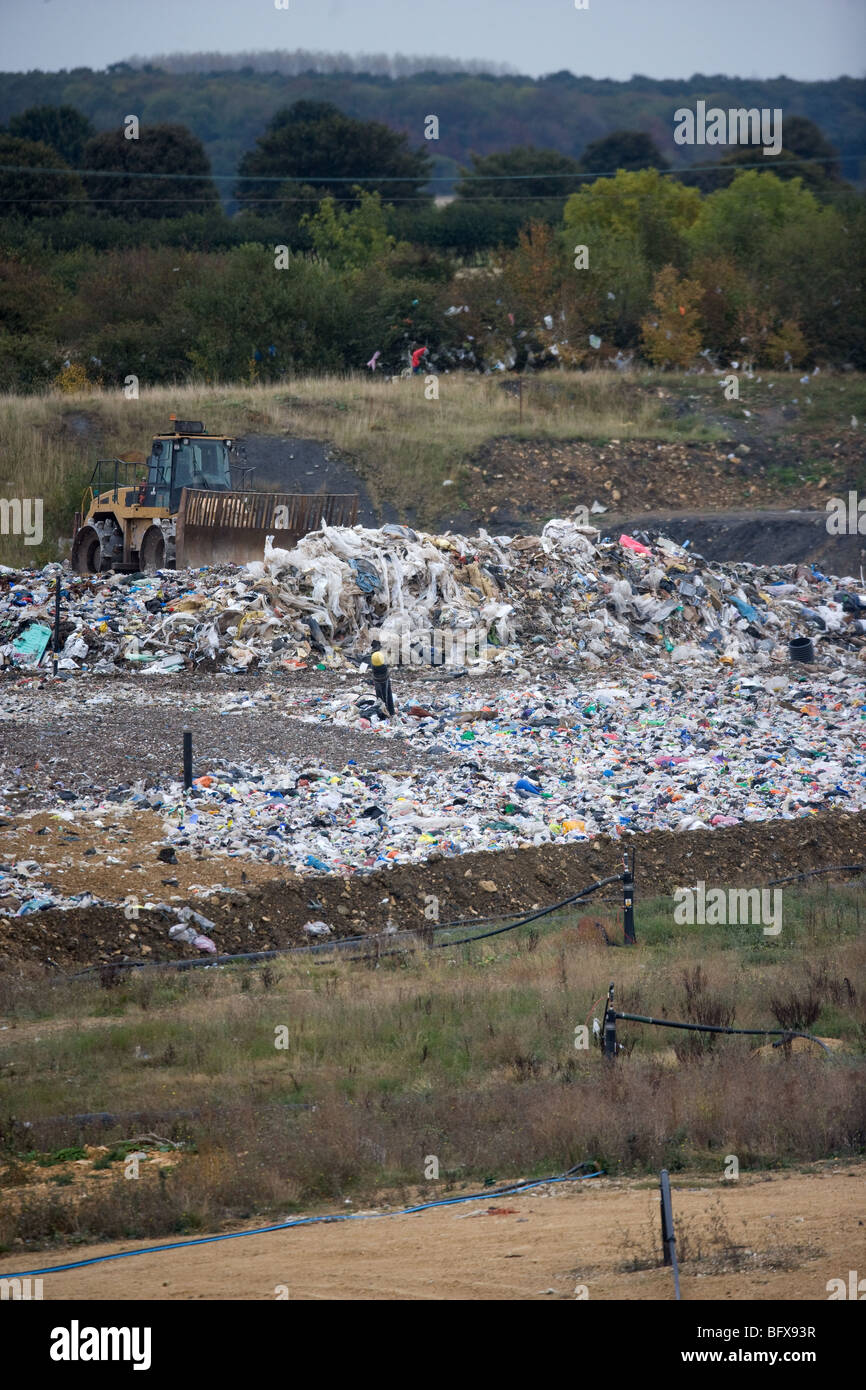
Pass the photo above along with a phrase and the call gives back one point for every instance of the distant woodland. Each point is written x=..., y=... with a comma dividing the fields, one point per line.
x=226, y=107
x=252, y=224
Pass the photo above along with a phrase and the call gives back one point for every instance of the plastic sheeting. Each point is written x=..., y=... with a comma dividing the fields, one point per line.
x=566, y=595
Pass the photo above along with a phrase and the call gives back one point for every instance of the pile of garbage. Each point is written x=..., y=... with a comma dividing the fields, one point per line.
x=566, y=596
x=563, y=759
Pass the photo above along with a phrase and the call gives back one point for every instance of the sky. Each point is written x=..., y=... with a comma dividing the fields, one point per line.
x=805, y=39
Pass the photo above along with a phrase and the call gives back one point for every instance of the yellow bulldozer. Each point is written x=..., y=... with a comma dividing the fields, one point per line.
x=183, y=511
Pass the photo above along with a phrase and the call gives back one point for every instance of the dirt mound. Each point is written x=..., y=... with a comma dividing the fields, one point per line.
x=760, y=537
x=271, y=912
x=519, y=484
x=284, y=463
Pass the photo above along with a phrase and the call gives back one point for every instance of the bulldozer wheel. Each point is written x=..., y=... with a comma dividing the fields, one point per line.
x=152, y=553
x=87, y=551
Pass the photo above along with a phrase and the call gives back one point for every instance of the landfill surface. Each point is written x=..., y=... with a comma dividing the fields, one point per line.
x=610, y=690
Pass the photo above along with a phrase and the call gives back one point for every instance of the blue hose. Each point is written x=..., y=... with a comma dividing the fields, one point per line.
x=305, y=1221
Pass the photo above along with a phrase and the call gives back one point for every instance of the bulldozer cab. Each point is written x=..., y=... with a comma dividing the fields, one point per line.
x=186, y=458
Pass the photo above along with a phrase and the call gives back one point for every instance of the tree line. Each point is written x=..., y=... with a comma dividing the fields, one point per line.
x=479, y=112
x=118, y=256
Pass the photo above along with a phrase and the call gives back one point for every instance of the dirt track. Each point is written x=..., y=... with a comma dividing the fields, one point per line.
x=770, y=1237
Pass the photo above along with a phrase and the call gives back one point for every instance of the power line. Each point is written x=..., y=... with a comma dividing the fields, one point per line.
x=717, y=166
x=461, y=199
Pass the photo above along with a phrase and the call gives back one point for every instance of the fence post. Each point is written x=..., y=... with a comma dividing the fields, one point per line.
x=628, y=898
x=56, y=622
x=187, y=759
x=608, y=1027
x=669, y=1240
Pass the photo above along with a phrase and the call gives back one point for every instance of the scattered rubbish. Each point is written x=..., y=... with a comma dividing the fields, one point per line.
x=31, y=643
x=316, y=929
x=191, y=937
x=526, y=787
x=642, y=687
x=631, y=544
x=801, y=649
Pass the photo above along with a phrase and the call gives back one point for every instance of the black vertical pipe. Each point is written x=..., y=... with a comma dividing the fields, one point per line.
x=56, y=622
x=608, y=1028
x=628, y=899
x=187, y=759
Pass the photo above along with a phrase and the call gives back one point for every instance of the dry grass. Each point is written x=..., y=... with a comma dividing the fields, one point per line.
x=403, y=445
x=710, y=1246
x=467, y=1054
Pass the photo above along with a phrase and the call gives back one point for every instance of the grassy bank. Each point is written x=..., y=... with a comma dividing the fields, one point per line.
x=402, y=444
x=300, y=1083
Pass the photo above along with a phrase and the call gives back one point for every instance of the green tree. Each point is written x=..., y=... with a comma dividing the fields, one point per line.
x=391, y=313
x=622, y=149
x=806, y=155
x=242, y=305
x=464, y=228
x=727, y=293
x=28, y=302
x=745, y=220
x=122, y=186
x=612, y=295
x=349, y=239
x=642, y=207
x=534, y=274
x=126, y=312
x=818, y=279
x=314, y=145
x=61, y=128
x=30, y=184
x=524, y=172
x=806, y=140
x=28, y=296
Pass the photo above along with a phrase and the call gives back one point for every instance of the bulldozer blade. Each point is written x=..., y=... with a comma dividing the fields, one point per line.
x=220, y=528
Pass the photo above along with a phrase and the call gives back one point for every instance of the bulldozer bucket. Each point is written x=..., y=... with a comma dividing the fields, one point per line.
x=219, y=528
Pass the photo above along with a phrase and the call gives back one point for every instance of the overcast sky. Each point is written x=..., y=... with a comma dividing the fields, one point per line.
x=806, y=39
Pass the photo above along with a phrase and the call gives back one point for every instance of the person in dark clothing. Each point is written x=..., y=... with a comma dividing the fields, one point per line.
x=382, y=679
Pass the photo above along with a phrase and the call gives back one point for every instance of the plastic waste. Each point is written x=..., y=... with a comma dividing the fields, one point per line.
x=31, y=644
x=192, y=938
x=316, y=929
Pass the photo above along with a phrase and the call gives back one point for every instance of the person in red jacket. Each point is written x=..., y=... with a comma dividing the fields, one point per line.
x=417, y=358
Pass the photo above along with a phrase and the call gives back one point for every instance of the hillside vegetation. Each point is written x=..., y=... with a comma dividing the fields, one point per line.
x=478, y=112
x=380, y=1065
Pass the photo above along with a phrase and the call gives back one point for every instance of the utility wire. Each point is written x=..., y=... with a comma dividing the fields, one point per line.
x=532, y=917
x=768, y=162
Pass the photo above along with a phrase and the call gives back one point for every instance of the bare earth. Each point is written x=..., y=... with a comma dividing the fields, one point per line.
x=785, y=1236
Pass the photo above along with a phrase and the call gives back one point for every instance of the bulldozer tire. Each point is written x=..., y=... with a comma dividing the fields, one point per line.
x=151, y=555
x=87, y=551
